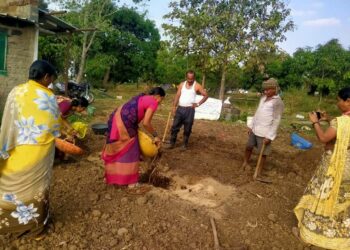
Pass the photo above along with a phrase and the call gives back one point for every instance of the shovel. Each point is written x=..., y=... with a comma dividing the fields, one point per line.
x=166, y=127
x=157, y=156
x=257, y=168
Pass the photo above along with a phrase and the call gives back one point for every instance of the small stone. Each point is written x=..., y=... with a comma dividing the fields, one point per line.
x=23, y=241
x=96, y=213
x=23, y=247
x=58, y=225
x=93, y=197
x=124, y=200
x=291, y=175
x=108, y=197
x=113, y=242
x=141, y=200
x=92, y=158
x=299, y=179
x=128, y=237
x=105, y=216
x=72, y=247
x=272, y=217
x=193, y=245
x=244, y=232
x=247, y=168
x=122, y=231
x=272, y=173
x=95, y=235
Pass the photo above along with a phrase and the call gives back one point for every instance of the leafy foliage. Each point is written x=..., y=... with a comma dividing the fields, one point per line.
x=226, y=31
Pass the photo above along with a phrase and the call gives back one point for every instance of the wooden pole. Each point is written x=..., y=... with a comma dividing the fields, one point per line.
x=215, y=234
x=166, y=127
x=257, y=168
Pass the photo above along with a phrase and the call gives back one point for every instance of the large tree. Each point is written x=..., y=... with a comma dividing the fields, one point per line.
x=135, y=47
x=331, y=62
x=232, y=30
x=92, y=17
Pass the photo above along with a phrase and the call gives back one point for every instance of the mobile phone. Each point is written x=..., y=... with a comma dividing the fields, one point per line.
x=318, y=115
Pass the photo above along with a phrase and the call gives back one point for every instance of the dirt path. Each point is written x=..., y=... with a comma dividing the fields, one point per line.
x=206, y=181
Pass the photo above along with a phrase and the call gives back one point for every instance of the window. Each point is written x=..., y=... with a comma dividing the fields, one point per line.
x=3, y=51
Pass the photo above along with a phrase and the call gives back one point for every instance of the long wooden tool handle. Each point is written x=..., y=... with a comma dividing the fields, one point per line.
x=257, y=168
x=215, y=235
x=166, y=127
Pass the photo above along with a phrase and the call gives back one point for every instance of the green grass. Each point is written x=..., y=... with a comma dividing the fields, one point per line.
x=296, y=102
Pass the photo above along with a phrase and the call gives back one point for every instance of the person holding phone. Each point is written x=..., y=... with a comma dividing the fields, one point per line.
x=323, y=212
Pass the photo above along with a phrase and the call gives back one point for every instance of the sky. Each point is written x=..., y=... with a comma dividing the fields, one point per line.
x=317, y=21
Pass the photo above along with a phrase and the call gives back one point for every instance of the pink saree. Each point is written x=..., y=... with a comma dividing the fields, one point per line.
x=121, y=153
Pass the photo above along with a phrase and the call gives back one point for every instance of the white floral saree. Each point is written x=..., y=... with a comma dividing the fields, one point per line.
x=29, y=126
x=323, y=212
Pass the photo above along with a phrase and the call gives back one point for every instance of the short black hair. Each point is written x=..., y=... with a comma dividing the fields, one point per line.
x=344, y=93
x=157, y=91
x=190, y=72
x=40, y=68
x=81, y=101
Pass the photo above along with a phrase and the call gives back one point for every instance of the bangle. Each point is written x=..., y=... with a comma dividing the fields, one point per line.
x=155, y=134
x=315, y=123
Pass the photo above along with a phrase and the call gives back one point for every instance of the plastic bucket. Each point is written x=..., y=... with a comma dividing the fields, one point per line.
x=147, y=147
x=299, y=142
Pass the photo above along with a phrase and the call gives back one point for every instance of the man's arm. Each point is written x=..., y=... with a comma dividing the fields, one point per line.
x=177, y=97
x=277, y=115
x=201, y=90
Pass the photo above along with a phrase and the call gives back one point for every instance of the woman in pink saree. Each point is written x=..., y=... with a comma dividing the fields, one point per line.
x=121, y=153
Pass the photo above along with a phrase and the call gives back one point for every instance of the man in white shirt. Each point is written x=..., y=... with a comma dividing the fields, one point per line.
x=264, y=125
x=184, y=108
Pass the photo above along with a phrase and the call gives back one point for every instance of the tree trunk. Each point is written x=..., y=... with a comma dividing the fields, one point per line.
x=106, y=77
x=223, y=80
x=66, y=64
x=86, y=47
x=203, y=79
x=82, y=64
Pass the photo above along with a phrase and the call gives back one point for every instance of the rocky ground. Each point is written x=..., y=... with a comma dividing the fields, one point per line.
x=206, y=182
